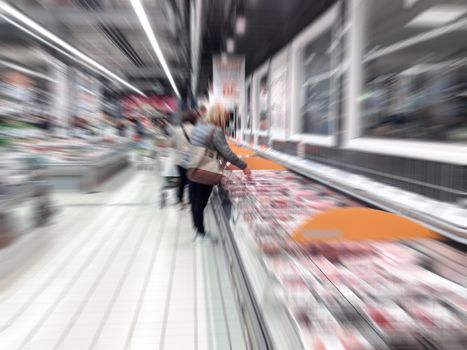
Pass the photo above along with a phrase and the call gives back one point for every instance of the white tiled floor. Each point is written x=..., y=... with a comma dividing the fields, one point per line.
x=114, y=271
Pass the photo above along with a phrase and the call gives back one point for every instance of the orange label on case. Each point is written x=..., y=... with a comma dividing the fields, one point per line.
x=359, y=224
x=258, y=163
x=240, y=151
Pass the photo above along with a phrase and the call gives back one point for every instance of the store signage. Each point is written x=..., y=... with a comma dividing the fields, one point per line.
x=136, y=102
x=229, y=80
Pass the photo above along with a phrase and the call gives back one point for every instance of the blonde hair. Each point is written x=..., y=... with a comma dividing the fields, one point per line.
x=216, y=116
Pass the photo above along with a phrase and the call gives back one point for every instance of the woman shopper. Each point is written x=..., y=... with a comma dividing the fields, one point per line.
x=210, y=134
x=180, y=143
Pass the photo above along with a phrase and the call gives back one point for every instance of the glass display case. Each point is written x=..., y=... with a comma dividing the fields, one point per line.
x=329, y=294
x=262, y=111
x=247, y=127
x=317, y=68
x=414, y=71
x=76, y=164
x=316, y=86
x=248, y=108
x=279, y=95
x=263, y=103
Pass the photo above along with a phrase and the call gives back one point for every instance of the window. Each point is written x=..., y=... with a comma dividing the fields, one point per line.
x=262, y=110
x=279, y=95
x=415, y=70
x=316, y=86
x=264, y=120
x=248, y=108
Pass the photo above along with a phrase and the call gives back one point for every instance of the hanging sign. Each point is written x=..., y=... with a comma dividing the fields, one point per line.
x=229, y=80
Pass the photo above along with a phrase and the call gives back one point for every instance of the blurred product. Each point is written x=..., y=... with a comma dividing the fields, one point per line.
x=337, y=288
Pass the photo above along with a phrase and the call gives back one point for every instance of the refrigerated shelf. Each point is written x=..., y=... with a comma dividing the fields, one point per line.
x=86, y=175
x=446, y=219
x=260, y=292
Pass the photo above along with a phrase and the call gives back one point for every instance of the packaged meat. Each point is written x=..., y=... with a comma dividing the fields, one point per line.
x=305, y=195
x=429, y=315
x=331, y=287
x=351, y=339
x=460, y=304
x=389, y=318
x=279, y=203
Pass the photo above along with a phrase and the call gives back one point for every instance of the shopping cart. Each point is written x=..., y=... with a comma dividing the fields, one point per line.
x=168, y=173
x=168, y=189
x=145, y=155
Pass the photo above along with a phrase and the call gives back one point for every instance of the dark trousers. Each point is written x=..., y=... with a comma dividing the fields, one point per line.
x=199, y=197
x=183, y=181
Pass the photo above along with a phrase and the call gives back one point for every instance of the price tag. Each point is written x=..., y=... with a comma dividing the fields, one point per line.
x=322, y=233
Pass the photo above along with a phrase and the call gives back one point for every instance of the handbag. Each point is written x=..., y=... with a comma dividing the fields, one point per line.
x=206, y=166
x=184, y=133
x=184, y=155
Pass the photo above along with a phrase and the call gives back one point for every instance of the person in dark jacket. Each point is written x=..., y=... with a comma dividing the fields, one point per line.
x=200, y=136
x=121, y=128
x=139, y=128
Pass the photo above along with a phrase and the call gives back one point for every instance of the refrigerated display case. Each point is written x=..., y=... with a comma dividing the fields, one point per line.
x=22, y=180
x=74, y=164
x=345, y=294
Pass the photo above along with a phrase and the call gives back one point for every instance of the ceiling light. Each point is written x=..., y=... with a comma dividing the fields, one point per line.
x=19, y=16
x=230, y=45
x=143, y=18
x=437, y=15
x=240, y=25
x=63, y=52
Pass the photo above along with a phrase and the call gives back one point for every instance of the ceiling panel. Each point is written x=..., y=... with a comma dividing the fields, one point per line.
x=271, y=24
x=110, y=32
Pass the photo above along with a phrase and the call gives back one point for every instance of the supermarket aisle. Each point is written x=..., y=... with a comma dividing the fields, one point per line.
x=117, y=272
